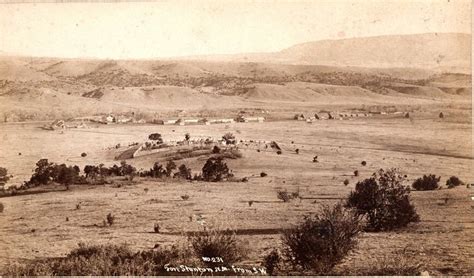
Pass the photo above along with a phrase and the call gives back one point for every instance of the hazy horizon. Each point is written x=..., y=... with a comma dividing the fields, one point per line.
x=164, y=30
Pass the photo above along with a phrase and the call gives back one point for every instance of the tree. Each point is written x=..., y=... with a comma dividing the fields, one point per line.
x=3, y=176
x=170, y=166
x=91, y=171
x=216, y=149
x=215, y=170
x=384, y=201
x=43, y=172
x=229, y=138
x=184, y=172
x=156, y=137
x=66, y=175
x=156, y=171
x=127, y=170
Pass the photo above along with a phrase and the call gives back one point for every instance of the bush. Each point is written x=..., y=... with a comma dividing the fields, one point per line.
x=356, y=173
x=156, y=137
x=283, y=195
x=215, y=243
x=427, y=182
x=321, y=241
x=453, y=181
x=2, y=207
x=263, y=174
x=286, y=196
x=393, y=265
x=110, y=219
x=156, y=228
x=216, y=149
x=271, y=261
x=279, y=152
x=101, y=260
x=183, y=172
x=83, y=154
x=215, y=170
x=346, y=182
x=363, y=163
x=384, y=201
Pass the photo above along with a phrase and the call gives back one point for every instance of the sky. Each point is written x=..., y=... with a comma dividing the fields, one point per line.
x=158, y=29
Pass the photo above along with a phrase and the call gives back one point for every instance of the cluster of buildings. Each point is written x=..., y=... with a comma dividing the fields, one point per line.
x=112, y=119
x=341, y=115
x=205, y=121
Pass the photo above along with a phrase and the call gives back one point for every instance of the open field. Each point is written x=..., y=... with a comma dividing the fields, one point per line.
x=420, y=145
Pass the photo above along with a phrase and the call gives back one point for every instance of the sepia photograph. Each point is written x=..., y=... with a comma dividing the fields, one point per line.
x=236, y=138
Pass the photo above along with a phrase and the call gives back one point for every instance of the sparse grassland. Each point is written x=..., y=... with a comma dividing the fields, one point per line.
x=437, y=243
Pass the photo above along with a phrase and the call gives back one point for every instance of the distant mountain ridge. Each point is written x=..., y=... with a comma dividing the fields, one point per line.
x=438, y=51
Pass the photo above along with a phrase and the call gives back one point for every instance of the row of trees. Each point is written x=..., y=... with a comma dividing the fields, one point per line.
x=215, y=169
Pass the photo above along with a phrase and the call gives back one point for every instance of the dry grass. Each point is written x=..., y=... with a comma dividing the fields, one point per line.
x=440, y=237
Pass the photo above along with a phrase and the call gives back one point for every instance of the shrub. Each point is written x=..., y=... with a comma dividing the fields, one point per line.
x=110, y=219
x=392, y=265
x=363, y=163
x=384, y=201
x=356, y=173
x=427, y=182
x=321, y=241
x=286, y=196
x=183, y=172
x=279, y=152
x=101, y=260
x=215, y=170
x=2, y=207
x=346, y=182
x=187, y=137
x=83, y=154
x=216, y=243
x=263, y=174
x=453, y=181
x=271, y=261
x=185, y=197
x=283, y=195
x=156, y=228
x=216, y=149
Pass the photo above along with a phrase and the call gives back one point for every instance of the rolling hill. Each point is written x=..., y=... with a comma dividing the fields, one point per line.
x=409, y=69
